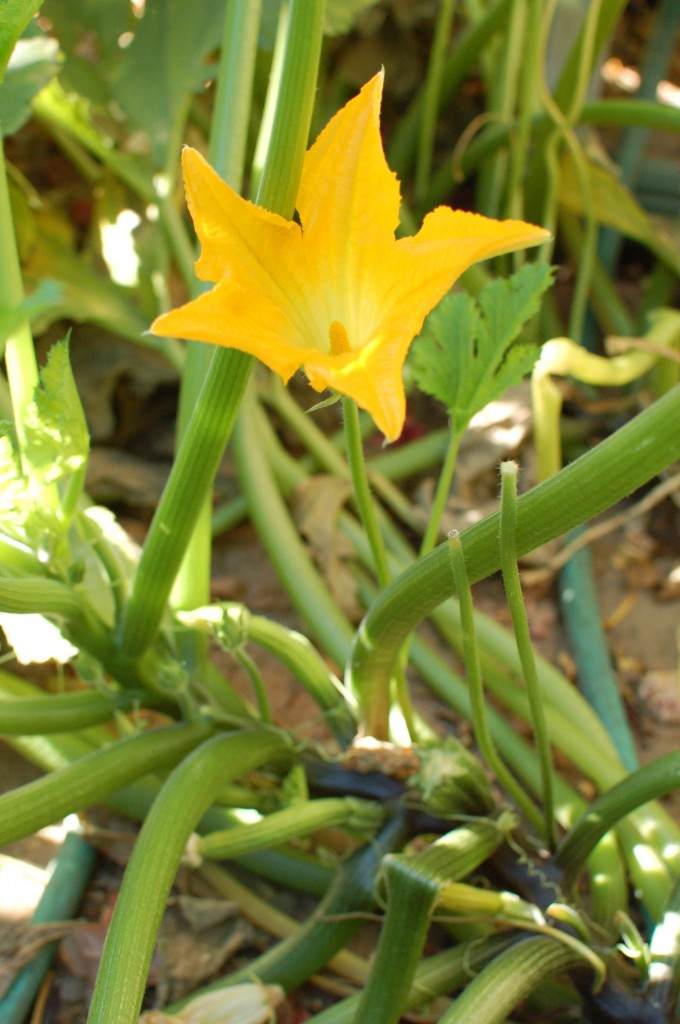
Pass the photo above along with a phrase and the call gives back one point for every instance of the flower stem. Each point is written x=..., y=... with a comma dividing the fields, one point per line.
x=441, y=494
x=513, y=590
x=362, y=490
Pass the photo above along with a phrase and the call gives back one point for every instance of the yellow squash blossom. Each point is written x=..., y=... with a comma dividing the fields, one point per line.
x=337, y=293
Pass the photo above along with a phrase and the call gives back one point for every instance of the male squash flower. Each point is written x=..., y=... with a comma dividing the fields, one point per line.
x=336, y=294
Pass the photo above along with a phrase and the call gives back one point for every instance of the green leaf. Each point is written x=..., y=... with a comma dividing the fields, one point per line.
x=341, y=15
x=57, y=438
x=89, y=34
x=33, y=65
x=14, y=17
x=166, y=62
x=467, y=354
x=615, y=207
x=47, y=298
x=40, y=488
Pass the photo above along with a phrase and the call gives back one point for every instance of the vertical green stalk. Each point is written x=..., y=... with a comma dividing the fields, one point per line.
x=213, y=416
x=431, y=534
x=513, y=590
x=185, y=797
x=22, y=369
x=433, y=85
x=412, y=897
x=362, y=490
x=476, y=689
x=228, y=135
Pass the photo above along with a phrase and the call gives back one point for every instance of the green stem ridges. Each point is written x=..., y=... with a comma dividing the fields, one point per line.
x=91, y=778
x=187, y=794
x=294, y=822
x=510, y=978
x=621, y=463
x=214, y=414
x=336, y=918
x=513, y=591
x=362, y=490
x=475, y=686
x=229, y=129
x=653, y=781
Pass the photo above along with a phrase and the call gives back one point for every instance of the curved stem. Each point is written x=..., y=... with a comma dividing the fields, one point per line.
x=612, y=470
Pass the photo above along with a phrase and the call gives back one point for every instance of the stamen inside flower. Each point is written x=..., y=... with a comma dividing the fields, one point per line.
x=337, y=336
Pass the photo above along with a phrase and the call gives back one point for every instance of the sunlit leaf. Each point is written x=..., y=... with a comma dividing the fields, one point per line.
x=57, y=438
x=32, y=66
x=467, y=354
x=14, y=17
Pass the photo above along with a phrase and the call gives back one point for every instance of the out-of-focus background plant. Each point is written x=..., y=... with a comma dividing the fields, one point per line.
x=227, y=649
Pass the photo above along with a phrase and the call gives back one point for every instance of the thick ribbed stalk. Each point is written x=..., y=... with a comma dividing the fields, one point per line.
x=151, y=869
x=211, y=422
x=612, y=470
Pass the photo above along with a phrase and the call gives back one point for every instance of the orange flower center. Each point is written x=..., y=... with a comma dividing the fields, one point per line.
x=337, y=336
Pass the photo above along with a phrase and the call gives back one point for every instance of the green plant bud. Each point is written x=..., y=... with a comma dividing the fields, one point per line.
x=451, y=780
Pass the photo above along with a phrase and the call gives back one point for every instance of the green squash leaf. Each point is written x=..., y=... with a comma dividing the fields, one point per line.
x=467, y=354
x=14, y=17
x=33, y=65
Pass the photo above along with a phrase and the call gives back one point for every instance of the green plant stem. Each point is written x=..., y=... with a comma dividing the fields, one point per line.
x=228, y=136
x=431, y=96
x=441, y=494
x=510, y=978
x=329, y=928
x=214, y=413
x=653, y=781
x=634, y=454
x=362, y=490
x=61, y=712
x=411, y=898
x=280, y=536
x=293, y=649
x=88, y=780
x=186, y=795
x=476, y=688
x=20, y=362
x=436, y=975
x=294, y=822
x=513, y=590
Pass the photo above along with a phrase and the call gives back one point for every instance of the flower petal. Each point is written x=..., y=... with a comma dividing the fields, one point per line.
x=424, y=267
x=372, y=377
x=348, y=204
x=229, y=316
x=230, y=228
